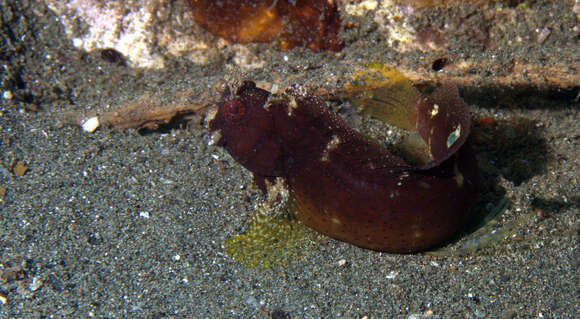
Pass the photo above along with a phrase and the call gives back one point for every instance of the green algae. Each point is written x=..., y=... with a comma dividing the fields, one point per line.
x=273, y=239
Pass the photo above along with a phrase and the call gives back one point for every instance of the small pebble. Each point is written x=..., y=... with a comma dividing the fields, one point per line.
x=7, y=95
x=392, y=274
x=543, y=34
x=91, y=124
x=20, y=168
x=35, y=284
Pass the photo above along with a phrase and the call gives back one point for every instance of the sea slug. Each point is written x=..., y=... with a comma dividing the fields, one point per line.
x=345, y=185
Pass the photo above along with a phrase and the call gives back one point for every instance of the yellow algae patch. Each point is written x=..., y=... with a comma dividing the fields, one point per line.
x=272, y=240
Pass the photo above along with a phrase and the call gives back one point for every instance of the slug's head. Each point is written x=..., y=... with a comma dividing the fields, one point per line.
x=245, y=129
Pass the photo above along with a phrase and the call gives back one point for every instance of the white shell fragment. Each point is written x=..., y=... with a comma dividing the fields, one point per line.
x=91, y=124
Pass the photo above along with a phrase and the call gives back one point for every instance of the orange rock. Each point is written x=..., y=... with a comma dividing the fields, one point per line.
x=314, y=24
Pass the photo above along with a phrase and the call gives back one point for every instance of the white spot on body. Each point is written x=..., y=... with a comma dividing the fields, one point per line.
x=435, y=110
x=277, y=191
x=332, y=145
x=267, y=105
x=268, y=102
x=292, y=105
x=336, y=221
x=215, y=137
x=301, y=90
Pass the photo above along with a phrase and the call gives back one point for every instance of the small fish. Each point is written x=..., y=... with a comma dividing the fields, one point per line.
x=345, y=185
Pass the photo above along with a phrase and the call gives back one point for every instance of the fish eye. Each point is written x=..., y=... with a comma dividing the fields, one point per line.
x=234, y=110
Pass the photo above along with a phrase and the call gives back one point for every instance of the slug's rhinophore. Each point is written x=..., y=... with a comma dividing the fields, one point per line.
x=345, y=185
